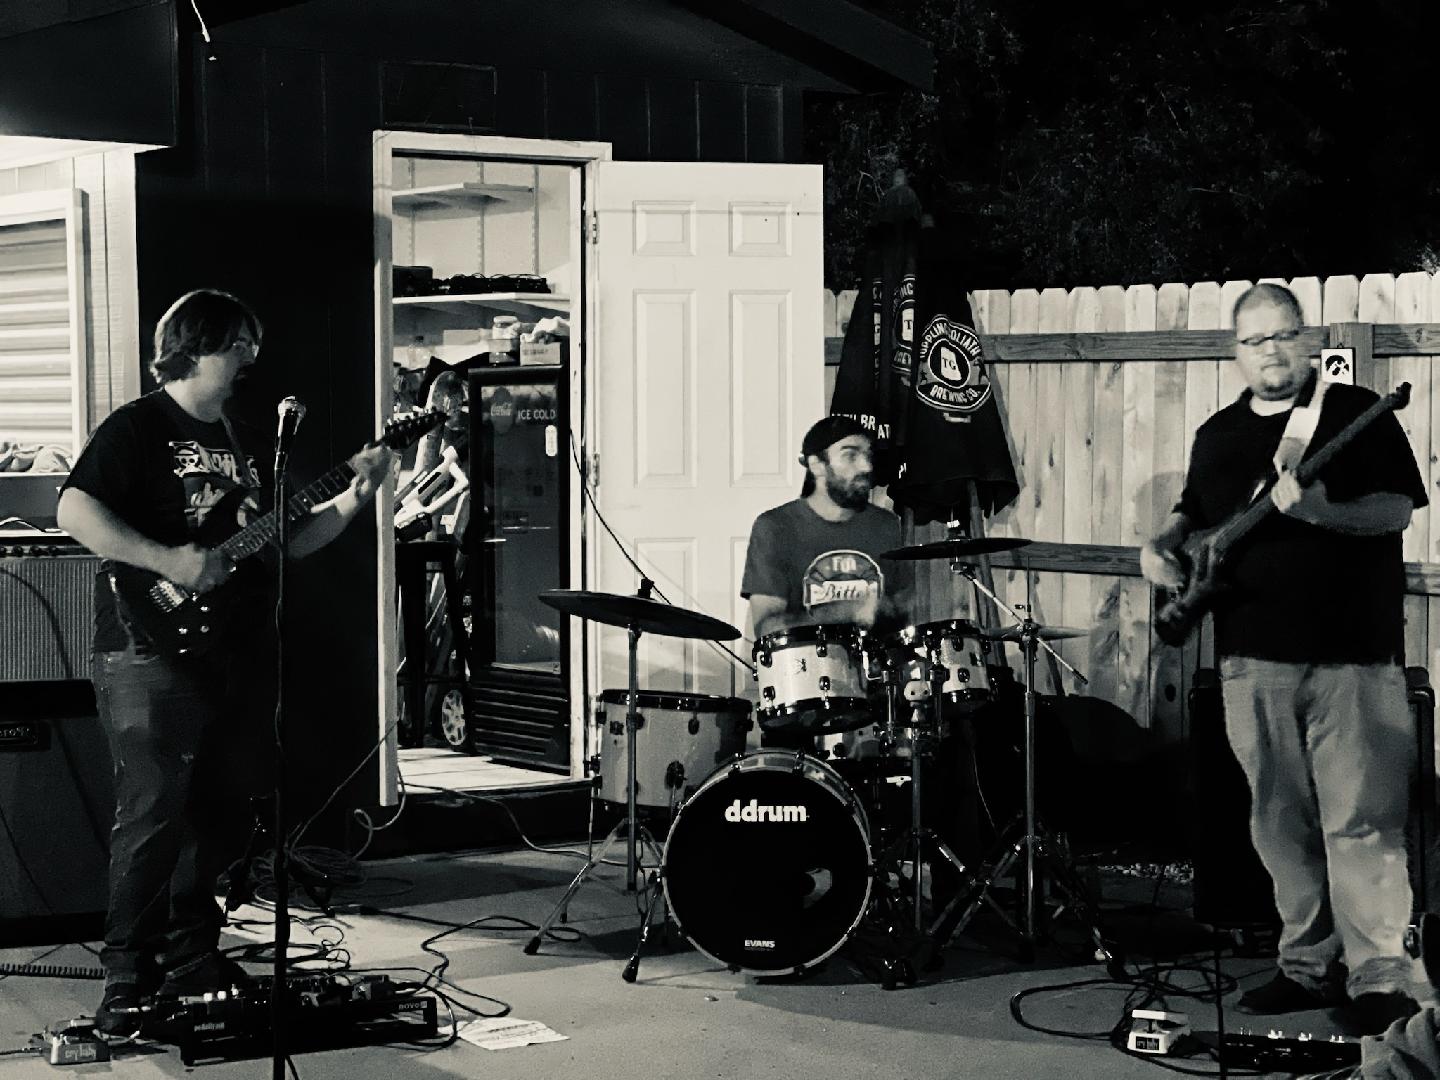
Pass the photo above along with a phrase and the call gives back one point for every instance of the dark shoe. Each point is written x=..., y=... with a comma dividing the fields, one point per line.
x=1283, y=994
x=203, y=974
x=119, y=1011
x=1372, y=1014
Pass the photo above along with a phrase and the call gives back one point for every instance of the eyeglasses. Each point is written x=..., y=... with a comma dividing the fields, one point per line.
x=1280, y=336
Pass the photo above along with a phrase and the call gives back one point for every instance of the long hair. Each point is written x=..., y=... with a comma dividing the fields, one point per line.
x=200, y=323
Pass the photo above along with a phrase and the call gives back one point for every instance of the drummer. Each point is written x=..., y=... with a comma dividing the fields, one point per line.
x=815, y=559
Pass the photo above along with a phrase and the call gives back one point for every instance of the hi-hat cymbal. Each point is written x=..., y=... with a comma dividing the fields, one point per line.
x=957, y=548
x=640, y=612
x=1044, y=633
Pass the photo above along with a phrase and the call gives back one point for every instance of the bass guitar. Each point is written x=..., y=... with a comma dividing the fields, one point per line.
x=178, y=622
x=1203, y=554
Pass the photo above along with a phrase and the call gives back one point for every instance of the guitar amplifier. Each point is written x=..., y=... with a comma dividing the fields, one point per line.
x=1232, y=888
x=47, y=609
x=56, y=808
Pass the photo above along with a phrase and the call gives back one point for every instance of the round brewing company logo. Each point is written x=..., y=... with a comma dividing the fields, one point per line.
x=951, y=372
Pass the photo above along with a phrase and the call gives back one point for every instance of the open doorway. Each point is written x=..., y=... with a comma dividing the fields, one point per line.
x=480, y=264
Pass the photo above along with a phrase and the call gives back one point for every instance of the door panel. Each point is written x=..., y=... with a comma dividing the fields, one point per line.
x=709, y=367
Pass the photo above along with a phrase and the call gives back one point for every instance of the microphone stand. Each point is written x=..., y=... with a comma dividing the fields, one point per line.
x=281, y=858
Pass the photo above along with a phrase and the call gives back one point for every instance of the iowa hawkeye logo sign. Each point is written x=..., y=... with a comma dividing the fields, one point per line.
x=950, y=375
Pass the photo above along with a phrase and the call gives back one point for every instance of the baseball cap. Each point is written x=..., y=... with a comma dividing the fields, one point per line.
x=829, y=430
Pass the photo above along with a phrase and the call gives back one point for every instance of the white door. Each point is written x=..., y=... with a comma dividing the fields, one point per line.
x=708, y=368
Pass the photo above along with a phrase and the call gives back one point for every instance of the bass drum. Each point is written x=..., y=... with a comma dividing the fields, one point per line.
x=767, y=867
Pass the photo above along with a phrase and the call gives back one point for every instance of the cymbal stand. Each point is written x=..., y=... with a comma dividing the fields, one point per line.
x=923, y=845
x=636, y=834
x=967, y=571
x=1025, y=839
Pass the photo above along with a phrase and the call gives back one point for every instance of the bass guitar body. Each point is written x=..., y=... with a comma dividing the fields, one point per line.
x=172, y=619
x=1180, y=611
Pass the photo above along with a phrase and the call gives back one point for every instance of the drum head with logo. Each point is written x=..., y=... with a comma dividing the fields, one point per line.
x=767, y=869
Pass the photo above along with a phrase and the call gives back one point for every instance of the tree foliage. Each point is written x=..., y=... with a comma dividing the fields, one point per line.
x=1135, y=142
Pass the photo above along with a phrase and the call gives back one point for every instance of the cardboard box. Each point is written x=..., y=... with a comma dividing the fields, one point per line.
x=549, y=353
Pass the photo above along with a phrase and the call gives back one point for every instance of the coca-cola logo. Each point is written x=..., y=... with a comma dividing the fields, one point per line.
x=502, y=410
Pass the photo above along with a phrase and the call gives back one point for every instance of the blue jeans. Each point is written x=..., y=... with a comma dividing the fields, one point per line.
x=182, y=775
x=1329, y=751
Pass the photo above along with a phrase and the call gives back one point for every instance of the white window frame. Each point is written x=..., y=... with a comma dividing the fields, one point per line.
x=67, y=205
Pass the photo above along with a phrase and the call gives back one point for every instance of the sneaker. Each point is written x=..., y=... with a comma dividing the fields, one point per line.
x=1372, y=1014
x=1283, y=994
x=203, y=974
x=119, y=1013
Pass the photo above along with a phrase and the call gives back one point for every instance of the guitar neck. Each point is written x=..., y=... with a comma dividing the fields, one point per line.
x=1234, y=530
x=263, y=530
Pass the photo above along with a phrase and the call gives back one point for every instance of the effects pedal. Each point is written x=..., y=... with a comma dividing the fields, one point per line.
x=322, y=1012
x=1157, y=1032
x=1277, y=1052
x=74, y=1042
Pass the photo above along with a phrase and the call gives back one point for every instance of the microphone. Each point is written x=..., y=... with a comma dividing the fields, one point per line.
x=291, y=412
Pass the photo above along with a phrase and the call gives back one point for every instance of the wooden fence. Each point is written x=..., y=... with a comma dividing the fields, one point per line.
x=1102, y=391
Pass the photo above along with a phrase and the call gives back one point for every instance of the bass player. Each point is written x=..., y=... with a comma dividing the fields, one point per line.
x=1309, y=640
x=178, y=733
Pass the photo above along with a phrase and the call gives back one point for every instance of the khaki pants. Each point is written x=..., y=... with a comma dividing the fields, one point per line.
x=1329, y=751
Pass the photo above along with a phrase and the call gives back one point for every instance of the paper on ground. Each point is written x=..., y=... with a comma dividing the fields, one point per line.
x=505, y=1032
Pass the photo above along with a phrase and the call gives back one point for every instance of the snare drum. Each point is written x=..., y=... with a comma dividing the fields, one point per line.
x=956, y=645
x=812, y=679
x=679, y=741
x=767, y=866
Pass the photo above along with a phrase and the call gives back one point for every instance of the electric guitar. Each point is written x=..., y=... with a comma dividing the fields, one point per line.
x=1179, y=611
x=178, y=622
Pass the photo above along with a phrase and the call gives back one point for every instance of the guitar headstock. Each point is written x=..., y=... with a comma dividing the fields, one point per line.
x=400, y=431
x=1399, y=397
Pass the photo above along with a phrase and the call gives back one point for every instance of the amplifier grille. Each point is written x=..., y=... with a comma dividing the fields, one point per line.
x=47, y=617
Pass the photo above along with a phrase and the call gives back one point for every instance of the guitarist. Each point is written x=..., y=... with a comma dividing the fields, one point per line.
x=140, y=494
x=1309, y=642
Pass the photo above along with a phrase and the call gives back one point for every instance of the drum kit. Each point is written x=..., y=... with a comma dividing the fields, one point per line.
x=770, y=864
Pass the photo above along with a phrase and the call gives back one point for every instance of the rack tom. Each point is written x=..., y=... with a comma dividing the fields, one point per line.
x=952, y=648
x=812, y=679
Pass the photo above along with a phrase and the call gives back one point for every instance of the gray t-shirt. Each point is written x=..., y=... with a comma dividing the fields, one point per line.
x=824, y=570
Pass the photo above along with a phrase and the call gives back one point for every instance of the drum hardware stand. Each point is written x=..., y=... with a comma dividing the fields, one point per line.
x=1028, y=840
x=923, y=844
x=635, y=832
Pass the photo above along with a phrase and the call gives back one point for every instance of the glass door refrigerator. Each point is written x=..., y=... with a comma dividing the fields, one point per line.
x=518, y=546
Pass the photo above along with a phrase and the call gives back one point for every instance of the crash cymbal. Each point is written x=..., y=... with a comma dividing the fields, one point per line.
x=1044, y=633
x=642, y=613
x=956, y=549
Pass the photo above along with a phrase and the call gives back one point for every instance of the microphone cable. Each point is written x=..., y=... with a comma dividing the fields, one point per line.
x=589, y=495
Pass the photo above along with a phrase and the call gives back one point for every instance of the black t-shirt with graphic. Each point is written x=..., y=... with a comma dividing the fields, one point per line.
x=824, y=570
x=163, y=472
x=1302, y=593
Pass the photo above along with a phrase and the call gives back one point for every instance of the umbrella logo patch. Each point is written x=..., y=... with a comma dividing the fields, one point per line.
x=951, y=373
x=903, y=330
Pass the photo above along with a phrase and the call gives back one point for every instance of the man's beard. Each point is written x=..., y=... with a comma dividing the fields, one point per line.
x=852, y=496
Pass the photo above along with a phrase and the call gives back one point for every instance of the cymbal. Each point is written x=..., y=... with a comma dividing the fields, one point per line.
x=955, y=549
x=1044, y=633
x=639, y=612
